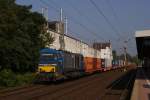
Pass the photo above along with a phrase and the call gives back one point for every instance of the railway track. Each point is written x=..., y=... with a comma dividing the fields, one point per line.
x=14, y=88
x=84, y=92
x=121, y=88
x=60, y=93
x=19, y=90
x=32, y=90
x=61, y=90
x=72, y=91
x=67, y=90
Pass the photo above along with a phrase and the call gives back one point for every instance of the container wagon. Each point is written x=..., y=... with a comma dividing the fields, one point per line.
x=115, y=64
x=92, y=61
x=56, y=65
x=108, y=64
x=92, y=64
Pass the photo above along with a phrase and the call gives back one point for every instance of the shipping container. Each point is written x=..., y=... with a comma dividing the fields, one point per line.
x=92, y=64
x=99, y=46
x=108, y=64
x=72, y=45
x=115, y=64
x=72, y=62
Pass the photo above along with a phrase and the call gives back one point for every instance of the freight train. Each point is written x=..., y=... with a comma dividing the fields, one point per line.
x=76, y=58
x=59, y=65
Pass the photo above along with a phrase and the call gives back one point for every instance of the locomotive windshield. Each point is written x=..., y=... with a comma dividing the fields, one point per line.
x=48, y=58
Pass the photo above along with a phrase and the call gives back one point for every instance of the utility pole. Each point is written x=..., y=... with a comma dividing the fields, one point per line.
x=81, y=48
x=66, y=25
x=42, y=11
x=61, y=15
x=125, y=55
x=61, y=28
x=47, y=18
x=45, y=14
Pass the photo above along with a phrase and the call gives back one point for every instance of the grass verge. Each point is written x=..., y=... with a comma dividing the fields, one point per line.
x=11, y=79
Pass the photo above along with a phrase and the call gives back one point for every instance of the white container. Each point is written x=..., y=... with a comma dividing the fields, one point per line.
x=74, y=46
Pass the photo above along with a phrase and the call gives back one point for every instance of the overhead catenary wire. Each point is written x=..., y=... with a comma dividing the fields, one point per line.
x=80, y=24
x=86, y=29
x=45, y=3
x=72, y=32
x=83, y=37
x=126, y=38
x=82, y=14
x=114, y=14
x=106, y=19
x=108, y=22
x=74, y=21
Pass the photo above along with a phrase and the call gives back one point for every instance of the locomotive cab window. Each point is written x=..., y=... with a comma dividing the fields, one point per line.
x=46, y=58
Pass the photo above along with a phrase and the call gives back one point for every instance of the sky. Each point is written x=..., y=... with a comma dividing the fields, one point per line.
x=114, y=20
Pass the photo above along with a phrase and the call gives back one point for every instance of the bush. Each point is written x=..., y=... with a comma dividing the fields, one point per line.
x=10, y=79
x=26, y=78
x=7, y=78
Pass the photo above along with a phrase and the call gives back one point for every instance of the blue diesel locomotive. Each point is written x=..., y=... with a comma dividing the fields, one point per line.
x=56, y=65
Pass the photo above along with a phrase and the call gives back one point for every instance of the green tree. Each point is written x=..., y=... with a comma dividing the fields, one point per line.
x=21, y=36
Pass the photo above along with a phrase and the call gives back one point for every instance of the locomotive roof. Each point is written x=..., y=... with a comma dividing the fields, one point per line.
x=49, y=50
